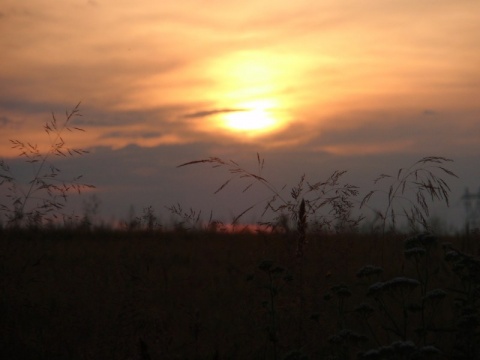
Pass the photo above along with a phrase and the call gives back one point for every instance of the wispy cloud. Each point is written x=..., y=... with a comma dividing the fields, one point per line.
x=205, y=113
x=4, y=121
x=131, y=134
x=350, y=80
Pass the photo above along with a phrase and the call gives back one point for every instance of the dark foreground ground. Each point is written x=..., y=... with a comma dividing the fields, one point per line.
x=120, y=295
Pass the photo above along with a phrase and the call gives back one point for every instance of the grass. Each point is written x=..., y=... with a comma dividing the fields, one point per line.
x=41, y=199
x=320, y=291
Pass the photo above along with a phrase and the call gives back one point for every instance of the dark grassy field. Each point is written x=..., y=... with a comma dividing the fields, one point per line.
x=199, y=295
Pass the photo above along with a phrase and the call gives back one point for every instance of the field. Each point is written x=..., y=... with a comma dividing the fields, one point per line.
x=203, y=295
x=323, y=283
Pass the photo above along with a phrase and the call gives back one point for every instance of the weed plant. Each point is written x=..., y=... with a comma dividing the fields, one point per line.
x=327, y=204
x=40, y=200
x=320, y=291
x=148, y=221
x=188, y=219
x=409, y=191
x=276, y=278
x=118, y=294
x=403, y=308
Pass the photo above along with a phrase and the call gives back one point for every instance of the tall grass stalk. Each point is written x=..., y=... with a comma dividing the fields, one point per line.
x=45, y=187
x=408, y=194
x=328, y=203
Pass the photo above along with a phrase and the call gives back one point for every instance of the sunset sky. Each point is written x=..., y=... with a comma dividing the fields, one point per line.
x=313, y=86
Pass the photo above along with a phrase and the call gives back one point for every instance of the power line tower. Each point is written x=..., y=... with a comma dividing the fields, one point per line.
x=471, y=202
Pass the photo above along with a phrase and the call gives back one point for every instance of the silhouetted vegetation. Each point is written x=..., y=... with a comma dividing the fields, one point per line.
x=310, y=286
x=196, y=295
x=41, y=198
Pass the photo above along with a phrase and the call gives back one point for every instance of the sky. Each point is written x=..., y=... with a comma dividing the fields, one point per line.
x=313, y=86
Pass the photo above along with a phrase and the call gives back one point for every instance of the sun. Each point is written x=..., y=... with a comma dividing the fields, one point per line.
x=258, y=117
x=251, y=86
x=251, y=120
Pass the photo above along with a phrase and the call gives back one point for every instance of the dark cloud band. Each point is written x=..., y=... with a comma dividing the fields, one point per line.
x=206, y=113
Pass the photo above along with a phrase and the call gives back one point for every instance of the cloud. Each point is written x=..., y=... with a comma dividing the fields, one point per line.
x=150, y=175
x=30, y=107
x=206, y=113
x=4, y=121
x=140, y=70
x=429, y=112
x=398, y=131
x=131, y=134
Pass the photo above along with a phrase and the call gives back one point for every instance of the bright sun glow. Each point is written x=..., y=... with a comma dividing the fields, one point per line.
x=249, y=120
x=253, y=85
x=257, y=118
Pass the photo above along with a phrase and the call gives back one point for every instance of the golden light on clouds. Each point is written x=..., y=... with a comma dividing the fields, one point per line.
x=248, y=73
x=253, y=85
x=251, y=120
x=245, y=70
x=258, y=118
x=310, y=85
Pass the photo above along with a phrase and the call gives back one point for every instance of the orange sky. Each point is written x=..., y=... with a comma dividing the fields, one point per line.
x=332, y=76
x=303, y=63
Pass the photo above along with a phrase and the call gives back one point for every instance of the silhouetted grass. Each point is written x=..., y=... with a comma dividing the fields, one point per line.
x=320, y=291
x=40, y=199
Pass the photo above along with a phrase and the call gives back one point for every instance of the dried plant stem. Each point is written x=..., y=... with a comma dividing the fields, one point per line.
x=330, y=196
x=422, y=179
x=54, y=191
x=55, y=147
x=301, y=242
x=301, y=229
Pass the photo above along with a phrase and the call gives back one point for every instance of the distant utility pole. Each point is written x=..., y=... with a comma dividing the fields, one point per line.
x=472, y=209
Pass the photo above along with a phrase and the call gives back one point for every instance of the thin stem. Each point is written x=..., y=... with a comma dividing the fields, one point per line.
x=53, y=148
